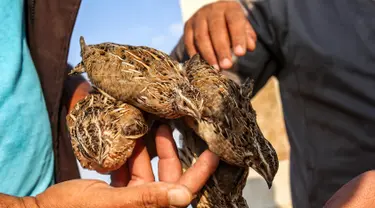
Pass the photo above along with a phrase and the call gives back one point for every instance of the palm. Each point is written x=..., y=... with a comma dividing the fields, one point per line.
x=134, y=181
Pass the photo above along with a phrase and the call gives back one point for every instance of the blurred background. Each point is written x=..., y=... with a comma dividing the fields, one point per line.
x=159, y=24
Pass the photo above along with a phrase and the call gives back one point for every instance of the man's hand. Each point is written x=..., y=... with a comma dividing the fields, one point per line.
x=359, y=192
x=138, y=169
x=97, y=194
x=135, y=180
x=216, y=28
x=176, y=189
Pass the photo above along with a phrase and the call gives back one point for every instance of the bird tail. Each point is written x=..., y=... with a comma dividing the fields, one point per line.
x=247, y=88
x=83, y=45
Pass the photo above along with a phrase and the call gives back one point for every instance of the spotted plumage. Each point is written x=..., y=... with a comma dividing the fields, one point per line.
x=141, y=76
x=103, y=131
x=228, y=122
x=210, y=110
x=224, y=188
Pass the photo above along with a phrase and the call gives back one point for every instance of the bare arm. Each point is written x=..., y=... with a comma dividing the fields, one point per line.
x=17, y=202
x=359, y=192
x=176, y=189
x=207, y=32
x=75, y=89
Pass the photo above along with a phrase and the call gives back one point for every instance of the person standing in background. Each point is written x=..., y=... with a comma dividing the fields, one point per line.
x=323, y=54
x=38, y=168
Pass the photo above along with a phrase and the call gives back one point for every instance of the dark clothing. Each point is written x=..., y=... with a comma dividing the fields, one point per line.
x=323, y=54
x=49, y=28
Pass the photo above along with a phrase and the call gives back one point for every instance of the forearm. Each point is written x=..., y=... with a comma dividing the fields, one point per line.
x=75, y=89
x=17, y=202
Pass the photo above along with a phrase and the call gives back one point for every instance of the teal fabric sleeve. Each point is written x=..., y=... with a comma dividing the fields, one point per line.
x=26, y=154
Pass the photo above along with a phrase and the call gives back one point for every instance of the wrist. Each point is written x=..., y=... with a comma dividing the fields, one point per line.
x=75, y=89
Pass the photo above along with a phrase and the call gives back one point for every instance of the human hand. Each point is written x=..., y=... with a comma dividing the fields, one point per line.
x=95, y=193
x=138, y=168
x=359, y=192
x=217, y=27
x=176, y=189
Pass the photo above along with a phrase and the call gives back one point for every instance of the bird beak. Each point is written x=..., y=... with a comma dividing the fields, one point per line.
x=269, y=183
x=267, y=178
x=77, y=69
x=191, y=107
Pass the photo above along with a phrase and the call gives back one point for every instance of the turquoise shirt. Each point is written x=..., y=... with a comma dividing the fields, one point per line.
x=26, y=154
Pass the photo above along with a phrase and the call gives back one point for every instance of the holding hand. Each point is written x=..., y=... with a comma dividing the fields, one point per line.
x=134, y=182
x=216, y=28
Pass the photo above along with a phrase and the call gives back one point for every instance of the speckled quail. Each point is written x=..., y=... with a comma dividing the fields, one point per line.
x=217, y=111
x=228, y=122
x=103, y=131
x=141, y=76
x=224, y=188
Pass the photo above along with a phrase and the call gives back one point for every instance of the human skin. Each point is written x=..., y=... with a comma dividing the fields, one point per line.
x=218, y=29
x=133, y=185
x=206, y=32
x=357, y=193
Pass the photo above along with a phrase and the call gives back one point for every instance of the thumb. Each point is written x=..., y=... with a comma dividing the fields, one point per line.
x=156, y=194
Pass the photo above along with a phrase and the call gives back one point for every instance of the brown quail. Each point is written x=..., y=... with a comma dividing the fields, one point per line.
x=103, y=131
x=228, y=122
x=215, y=109
x=141, y=76
x=224, y=188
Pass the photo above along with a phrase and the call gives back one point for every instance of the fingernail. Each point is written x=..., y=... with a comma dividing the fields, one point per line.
x=225, y=63
x=251, y=44
x=179, y=196
x=238, y=50
x=216, y=66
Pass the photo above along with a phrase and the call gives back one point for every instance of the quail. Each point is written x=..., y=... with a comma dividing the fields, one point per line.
x=103, y=131
x=141, y=76
x=224, y=188
x=228, y=121
x=135, y=83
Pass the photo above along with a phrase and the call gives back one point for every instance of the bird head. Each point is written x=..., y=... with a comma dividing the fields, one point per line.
x=78, y=69
x=263, y=157
x=85, y=53
x=187, y=101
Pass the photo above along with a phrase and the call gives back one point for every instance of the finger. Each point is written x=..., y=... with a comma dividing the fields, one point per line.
x=220, y=38
x=251, y=36
x=203, y=41
x=140, y=166
x=189, y=39
x=170, y=169
x=120, y=177
x=157, y=194
x=236, y=25
x=197, y=175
